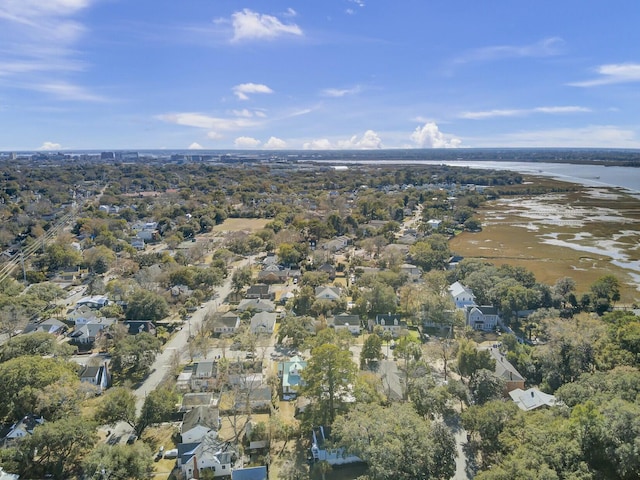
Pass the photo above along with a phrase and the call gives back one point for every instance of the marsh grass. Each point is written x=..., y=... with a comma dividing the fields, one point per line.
x=521, y=231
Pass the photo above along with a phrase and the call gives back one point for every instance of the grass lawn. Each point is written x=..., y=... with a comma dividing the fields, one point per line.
x=240, y=224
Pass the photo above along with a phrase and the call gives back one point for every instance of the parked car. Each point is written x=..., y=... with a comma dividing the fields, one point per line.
x=173, y=453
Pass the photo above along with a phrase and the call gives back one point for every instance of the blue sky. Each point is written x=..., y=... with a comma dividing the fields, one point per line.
x=324, y=74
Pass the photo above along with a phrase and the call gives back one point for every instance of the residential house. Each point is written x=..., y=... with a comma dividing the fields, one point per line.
x=389, y=322
x=52, y=326
x=329, y=269
x=227, y=323
x=81, y=315
x=290, y=374
x=204, y=374
x=96, y=375
x=270, y=259
x=183, y=382
x=256, y=304
x=532, y=398
x=250, y=473
x=21, y=429
x=323, y=451
x=135, y=327
x=273, y=274
x=260, y=290
x=95, y=301
x=138, y=243
x=454, y=260
x=434, y=223
x=263, y=322
x=482, y=317
x=336, y=244
x=87, y=333
x=198, y=423
x=413, y=272
x=462, y=296
x=257, y=399
x=506, y=371
x=325, y=292
x=209, y=454
x=344, y=321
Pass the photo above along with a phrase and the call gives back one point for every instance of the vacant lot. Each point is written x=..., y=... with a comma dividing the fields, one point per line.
x=241, y=224
x=582, y=234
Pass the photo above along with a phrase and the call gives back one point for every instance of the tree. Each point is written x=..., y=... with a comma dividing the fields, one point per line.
x=470, y=359
x=295, y=329
x=485, y=386
x=37, y=343
x=119, y=462
x=146, y=305
x=22, y=378
x=118, y=404
x=328, y=376
x=371, y=350
x=133, y=356
x=159, y=406
x=56, y=448
x=605, y=291
x=396, y=443
x=240, y=278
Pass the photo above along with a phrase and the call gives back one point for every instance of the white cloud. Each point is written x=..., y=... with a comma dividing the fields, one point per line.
x=195, y=146
x=336, y=92
x=369, y=141
x=41, y=36
x=592, y=136
x=553, y=110
x=241, y=91
x=47, y=146
x=430, y=136
x=246, y=142
x=613, y=73
x=249, y=25
x=545, y=48
x=68, y=91
x=243, y=113
x=214, y=135
x=275, y=143
x=198, y=120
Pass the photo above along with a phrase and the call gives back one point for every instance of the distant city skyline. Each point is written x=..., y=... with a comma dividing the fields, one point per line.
x=336, y=74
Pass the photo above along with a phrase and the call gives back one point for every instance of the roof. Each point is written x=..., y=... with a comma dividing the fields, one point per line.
x=532, y=398
x=504, y=369
x=139, y=326
x=256, y=304
x=258, y=289
x=344, y=319
x=326, y=291
x=457, y=288
x=263, y=321
x=252, y=473
x=202, y=415
x=228, y=320
x=206, y=368
x=484, y=309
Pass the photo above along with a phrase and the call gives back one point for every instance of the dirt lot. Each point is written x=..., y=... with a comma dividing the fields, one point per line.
x=583, y=234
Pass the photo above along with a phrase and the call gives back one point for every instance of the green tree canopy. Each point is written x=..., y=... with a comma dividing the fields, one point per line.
x=146, y=305
x=119, y=462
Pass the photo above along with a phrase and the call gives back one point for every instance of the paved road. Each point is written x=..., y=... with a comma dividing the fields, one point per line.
x=178, y=343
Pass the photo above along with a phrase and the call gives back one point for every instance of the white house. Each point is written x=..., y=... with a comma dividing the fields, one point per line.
x=462, y=296
x=198, y=423
x=321, y=452
x=390, y=323
x=482, y=317
x=227, y=323
x=328, y=293
x=256, y=304
x=22, y=428
x=345, y=321
x=96, y=301
x=96, y=375
x=290, y=373
x=532, y=398
x=263, y=322
x=209, y=454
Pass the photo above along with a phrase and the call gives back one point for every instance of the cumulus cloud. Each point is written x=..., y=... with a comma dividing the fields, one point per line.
x=553, y=110
x=369, y=141
x=613, y=73
x=341, y=92
x=250, y=25
x=243, y=90
x=195, y=146
x=430, y=136
x=47, y=146
x=246, y=142
x=275, y=143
